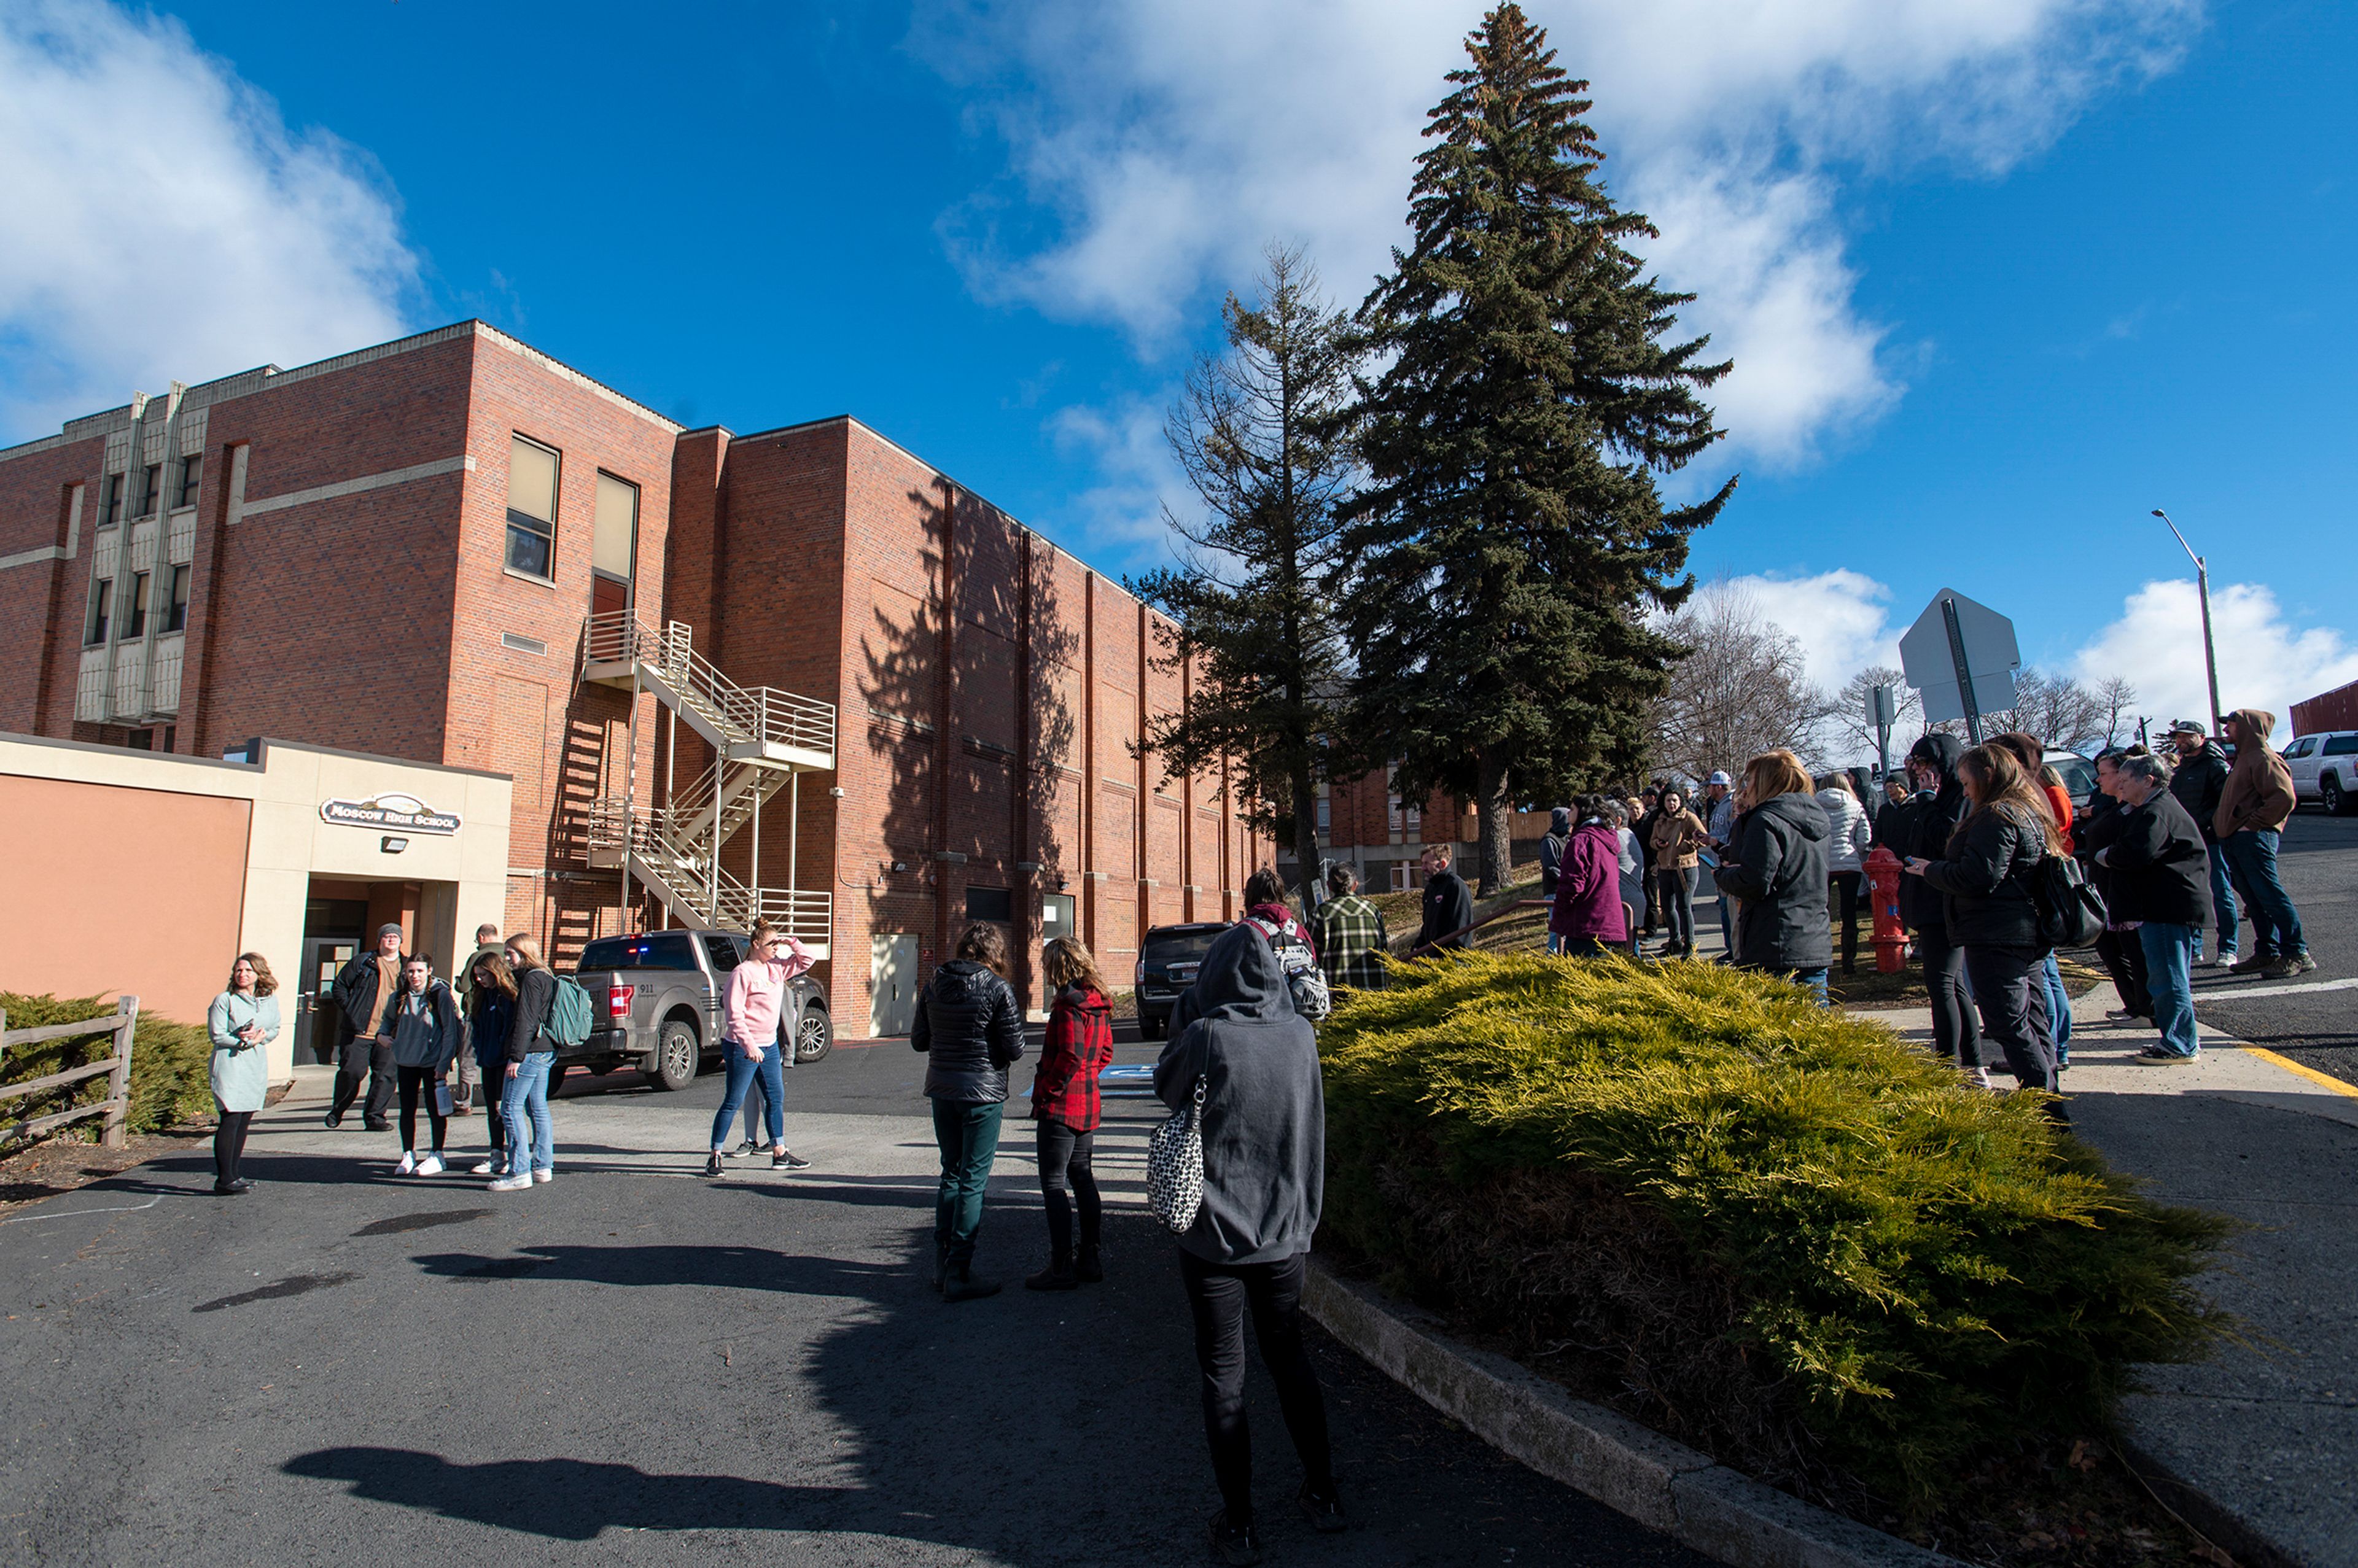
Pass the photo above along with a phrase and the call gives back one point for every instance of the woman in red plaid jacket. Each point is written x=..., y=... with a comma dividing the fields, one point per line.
x=1065, y=1103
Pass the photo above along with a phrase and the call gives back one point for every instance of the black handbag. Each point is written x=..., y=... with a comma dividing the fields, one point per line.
x=2070, y=911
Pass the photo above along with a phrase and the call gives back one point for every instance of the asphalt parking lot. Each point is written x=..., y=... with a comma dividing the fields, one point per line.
x=348, y=1365
x=2310, y=1019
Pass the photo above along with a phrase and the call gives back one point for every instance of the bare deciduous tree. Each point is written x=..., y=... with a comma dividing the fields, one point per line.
x=2055, y=709
x=1741, y=690
x=1852, y=734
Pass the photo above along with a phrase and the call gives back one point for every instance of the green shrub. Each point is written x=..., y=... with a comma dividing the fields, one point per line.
x=169, y=1063
x=1770, y=1229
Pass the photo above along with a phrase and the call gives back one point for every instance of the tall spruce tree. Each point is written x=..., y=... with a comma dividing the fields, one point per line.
x=1511, y=542
x=1263, y=434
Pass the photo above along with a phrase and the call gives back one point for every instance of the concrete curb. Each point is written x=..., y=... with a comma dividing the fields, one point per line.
x=1663, y=1485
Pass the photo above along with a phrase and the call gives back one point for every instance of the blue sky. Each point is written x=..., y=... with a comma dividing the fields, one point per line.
x=2000, y=275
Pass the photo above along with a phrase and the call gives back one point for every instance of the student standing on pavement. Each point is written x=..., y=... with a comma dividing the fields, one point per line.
x=363, y=988
x=971, y=1028
x=1065, y=1111
x=1263, y=1124
x=1852, y=836
x=1984, y=881
x=2161, y=876
x=1349, y=933
x=1586, y=918
x=1448, y=908
x=1678, y=835
x=1934, y=816
x=491, y=1013
x=2254, y=807
x=1719, y=811
x=523, y=1084
x=1780, y=873
x=240, y=1021
x=1618, y=814
x=1641, y=823
x=462, y=986
x=2061, y=819
x=2119, y=947
x=426, y=1034
x=757, y=1015
x=2196, y=782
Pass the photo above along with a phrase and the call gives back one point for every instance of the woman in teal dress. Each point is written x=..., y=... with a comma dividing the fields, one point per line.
x=242, y=1021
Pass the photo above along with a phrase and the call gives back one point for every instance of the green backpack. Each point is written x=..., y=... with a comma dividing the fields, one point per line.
x=568, y=1014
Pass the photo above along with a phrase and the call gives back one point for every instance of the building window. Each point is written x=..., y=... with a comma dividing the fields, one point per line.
x=193, y=474
x=177, y=618
x=114, y=501
x=151, y=483
x=1326, y=819
x=531, y=509
x=138, y=620
x=141, y=739
x=991, y=904
x=615, y=540
x=101, y=597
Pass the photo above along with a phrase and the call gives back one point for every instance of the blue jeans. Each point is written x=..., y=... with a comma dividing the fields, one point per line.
x=2276, y=924
x=523, y=1106
x=1813, y=978
x=2059, y=1014
x=2169, y=964
x=2223, y=903
x=743, y=1071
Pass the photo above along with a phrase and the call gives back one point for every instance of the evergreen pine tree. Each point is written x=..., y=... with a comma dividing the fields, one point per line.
x=1263, y=435
x=1511, y=541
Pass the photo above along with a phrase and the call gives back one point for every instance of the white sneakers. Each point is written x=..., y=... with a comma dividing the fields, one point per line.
x=488, y=1168
x=543, y=1175
x=431, y=1166
x=408, y=1163
x=510, y=1185
x=411, y=1165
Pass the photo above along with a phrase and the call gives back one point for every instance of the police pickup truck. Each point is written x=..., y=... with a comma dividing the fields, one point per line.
x=654, y=1004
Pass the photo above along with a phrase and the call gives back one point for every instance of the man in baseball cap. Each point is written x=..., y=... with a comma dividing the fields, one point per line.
x=2200, y=777
x=363, y=990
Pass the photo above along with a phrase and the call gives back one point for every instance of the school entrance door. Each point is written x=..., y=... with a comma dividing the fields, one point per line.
x=892, y=984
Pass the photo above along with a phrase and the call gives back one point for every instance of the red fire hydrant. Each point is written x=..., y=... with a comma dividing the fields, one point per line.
x=1883, y=874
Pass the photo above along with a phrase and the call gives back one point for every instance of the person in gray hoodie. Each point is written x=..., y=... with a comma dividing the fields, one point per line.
x=1263, y=1122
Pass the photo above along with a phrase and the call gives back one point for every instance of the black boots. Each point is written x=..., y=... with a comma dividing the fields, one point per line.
x=1089, y=1267
x=941, y=1264
x=959, y=1283
x=1057, y=1276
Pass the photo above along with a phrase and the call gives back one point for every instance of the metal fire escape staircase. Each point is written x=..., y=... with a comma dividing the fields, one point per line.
x=763, y=739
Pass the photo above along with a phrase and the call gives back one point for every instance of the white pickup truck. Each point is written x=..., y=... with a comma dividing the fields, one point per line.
x=2324, y=768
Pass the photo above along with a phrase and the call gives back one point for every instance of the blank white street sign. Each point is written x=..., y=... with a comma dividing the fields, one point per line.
x=1992, y=655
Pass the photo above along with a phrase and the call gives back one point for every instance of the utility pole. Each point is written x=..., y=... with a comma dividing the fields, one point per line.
x=2203, y=589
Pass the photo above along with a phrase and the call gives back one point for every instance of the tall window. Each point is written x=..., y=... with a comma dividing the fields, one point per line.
x=614, y=543
x=114, y=501
x=193, y=474
x=137, y=624
x=151, y=482
x=531, y=509
x=102, y=601
x=177, y=618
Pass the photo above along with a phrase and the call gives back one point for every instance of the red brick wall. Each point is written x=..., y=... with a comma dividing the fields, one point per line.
x=42, y=602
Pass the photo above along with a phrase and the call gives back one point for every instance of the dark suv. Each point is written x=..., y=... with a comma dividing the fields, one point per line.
x=654, y=1004
x=1166, y=966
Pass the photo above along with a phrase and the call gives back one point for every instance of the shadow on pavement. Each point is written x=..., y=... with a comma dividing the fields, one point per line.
x=718, y=1268
x=565, y=1500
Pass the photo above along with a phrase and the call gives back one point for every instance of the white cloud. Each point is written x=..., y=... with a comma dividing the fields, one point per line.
x=2263, y=660
x=161, y=220
x=1162, y=143
x=1840, y=618
x=1122, y=514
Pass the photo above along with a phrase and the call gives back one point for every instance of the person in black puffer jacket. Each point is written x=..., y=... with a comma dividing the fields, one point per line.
x=971, y=1027
x=1938, y=807
x=2161, y=879
x=1985, y=885
x=1778, y=873
x=2119, y=947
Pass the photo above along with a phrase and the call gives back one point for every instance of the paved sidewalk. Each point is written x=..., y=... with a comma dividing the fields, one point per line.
x=2265, y=1431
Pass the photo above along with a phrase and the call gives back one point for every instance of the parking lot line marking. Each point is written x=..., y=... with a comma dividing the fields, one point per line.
x=69, y=1214
x=2289, y=1065
x=2236, y=993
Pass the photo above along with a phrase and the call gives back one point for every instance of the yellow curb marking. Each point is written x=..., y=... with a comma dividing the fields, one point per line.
x=2289, y=1065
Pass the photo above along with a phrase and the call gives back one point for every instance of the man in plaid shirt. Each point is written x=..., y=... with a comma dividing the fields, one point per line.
x=1349, y=932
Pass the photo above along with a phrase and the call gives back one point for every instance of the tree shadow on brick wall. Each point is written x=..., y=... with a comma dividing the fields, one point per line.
x=917, y=727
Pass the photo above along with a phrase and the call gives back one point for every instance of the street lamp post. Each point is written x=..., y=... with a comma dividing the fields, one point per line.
x=2203, y=589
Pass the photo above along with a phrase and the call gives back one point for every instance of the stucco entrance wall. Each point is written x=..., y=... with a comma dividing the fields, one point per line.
x=125, y=864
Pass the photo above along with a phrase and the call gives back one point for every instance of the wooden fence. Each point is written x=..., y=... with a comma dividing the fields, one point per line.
x=116, y=1107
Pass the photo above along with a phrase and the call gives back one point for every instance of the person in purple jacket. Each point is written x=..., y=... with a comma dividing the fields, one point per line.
x=1588, y=920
